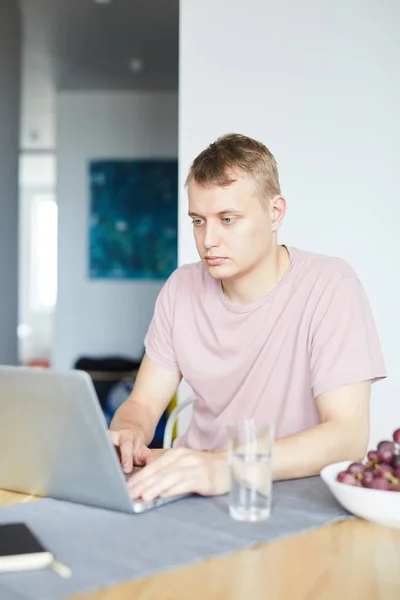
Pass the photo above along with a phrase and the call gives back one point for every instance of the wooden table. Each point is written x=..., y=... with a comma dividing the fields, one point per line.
x=352, y=560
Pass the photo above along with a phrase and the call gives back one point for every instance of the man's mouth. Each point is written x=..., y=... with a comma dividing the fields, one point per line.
x=215, y=261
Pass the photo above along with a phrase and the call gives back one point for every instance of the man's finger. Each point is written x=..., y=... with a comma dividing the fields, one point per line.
x=156, y=466
x=114, y=437
x=138, y=487
x=157, y=486
x=141, y=453
x=126, y=448
x=148, y=456
x=183, y=487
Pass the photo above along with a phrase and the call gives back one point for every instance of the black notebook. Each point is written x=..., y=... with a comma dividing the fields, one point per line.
x=20, y=549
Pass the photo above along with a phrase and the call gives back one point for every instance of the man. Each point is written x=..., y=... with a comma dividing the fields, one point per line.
x=258, y=330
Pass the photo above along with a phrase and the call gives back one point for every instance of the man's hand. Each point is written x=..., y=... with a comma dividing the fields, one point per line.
x=132, y=449
x=181, y=471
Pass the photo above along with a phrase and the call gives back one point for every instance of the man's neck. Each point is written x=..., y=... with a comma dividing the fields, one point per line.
x=260, y=281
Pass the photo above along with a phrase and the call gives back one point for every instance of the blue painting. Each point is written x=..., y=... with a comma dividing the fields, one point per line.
x=133, y=219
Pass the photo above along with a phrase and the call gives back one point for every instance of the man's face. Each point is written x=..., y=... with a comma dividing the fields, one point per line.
x=232, y=227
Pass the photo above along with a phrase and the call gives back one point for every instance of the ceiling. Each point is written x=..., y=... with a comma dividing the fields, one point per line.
x=89, y=45
x=86, y=45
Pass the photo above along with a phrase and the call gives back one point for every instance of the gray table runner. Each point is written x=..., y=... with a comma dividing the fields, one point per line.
x=104, y=548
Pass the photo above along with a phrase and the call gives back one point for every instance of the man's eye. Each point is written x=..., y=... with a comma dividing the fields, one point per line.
x=228, y=220
x=197, y=222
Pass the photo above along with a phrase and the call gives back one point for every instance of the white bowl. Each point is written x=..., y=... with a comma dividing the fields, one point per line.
x=379, y=506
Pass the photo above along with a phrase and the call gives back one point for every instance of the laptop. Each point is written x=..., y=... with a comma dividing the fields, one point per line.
x=54, y=441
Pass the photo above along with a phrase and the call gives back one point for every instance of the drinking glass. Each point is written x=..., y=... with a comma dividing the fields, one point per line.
x=250, y=447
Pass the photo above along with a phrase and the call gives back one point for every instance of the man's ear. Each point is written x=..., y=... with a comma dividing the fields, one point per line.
x=278, y=211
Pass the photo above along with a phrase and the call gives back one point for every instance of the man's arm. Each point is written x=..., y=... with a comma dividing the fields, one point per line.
x=342, y=435
x=135, y=422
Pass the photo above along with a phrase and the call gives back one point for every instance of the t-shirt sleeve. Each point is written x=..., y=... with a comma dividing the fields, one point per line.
x=345, y=346
x=158, y=341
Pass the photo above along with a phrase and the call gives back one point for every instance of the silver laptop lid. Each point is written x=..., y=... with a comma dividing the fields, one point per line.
x=54, y=440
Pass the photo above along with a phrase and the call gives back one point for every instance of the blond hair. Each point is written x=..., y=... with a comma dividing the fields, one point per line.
x=233, y=153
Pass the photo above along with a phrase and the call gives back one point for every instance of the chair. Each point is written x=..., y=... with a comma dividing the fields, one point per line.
x=106, y=372
x=169, y=427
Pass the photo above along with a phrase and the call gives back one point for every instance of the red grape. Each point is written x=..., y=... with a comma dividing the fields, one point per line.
x=383, y=470
x=385, y=452
x=396, y=462
x=396, y=473
x=345, y=477
x=380, y=483
x=396, y=436
x=384, y=444
x=372, y=455
x=395, y=488
x=355, y=468
x=367, y=478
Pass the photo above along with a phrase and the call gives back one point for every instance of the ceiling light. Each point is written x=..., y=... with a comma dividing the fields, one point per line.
x=136, y=65
x=102, y=1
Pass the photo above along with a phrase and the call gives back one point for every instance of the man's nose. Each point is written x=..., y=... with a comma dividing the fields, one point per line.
x=211, y=238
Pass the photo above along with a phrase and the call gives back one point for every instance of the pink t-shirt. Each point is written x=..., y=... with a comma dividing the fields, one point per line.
x=269, y=359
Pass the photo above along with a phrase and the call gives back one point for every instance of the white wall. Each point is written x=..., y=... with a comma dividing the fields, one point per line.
x=318, y=83
x=102, y=317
